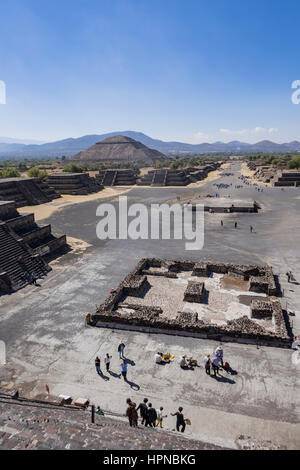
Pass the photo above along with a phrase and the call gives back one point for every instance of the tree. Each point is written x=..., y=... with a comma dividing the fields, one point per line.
x=294, y=163
x=10, y=172
x=35, y=172
x=73, y=168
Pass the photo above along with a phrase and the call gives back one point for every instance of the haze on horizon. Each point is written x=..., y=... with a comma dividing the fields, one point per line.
x=196, y=72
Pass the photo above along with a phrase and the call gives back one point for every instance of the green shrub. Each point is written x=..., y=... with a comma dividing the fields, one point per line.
x=35, y=172
x=9, y=172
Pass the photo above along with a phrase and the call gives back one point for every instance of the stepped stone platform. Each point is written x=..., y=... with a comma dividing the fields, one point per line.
x=74, y=183
x=24, y=247
x=225, y=205
x=113, y=177
x=206, y=299
x=29, y=425
x=288, y=178
x=165, y=177
x=269, y=174
x=26, y=191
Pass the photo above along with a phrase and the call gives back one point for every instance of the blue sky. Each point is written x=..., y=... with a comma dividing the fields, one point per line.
x=187, y=70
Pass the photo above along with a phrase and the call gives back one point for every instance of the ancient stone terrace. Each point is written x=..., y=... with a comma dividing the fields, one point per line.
x=26, y=191
x=288, y=178
x=205, y=299
x=74, y=183
x=113, y=177
x=225, y=205
x=22, y=239
x=164, y=177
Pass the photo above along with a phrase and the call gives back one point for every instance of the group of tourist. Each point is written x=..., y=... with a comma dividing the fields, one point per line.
x=216, y=363
x=31, y=278
x=153, y=417
x=236, y=225
x=210, y=363
x=107, y=360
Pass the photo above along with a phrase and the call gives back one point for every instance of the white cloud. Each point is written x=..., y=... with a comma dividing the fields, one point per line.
x=225, y=135
x=201, y=137
x=254, y=131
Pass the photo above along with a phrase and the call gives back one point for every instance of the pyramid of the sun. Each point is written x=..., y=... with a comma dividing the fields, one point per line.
x=120, y=149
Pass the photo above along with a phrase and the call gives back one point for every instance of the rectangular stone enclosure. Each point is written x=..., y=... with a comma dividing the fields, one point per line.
x=205, y=299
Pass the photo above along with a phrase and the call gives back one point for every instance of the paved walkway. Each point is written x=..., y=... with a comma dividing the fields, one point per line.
x=48, y=343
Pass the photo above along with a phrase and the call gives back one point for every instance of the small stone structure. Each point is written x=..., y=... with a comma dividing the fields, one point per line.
x=259, y=326
x=164, y=177
x=113, y=177
x=288, y=178
x=194, y=292
x=24, y=246
x=26, y=191
x=225, y=205
x=262, y=309
x=74, y=183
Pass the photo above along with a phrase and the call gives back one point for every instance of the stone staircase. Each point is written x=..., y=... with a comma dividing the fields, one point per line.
x=109, y=177
x=32, y=425
x=33, y=192
x=11, y=249
x=159, y=178
x=26, y=191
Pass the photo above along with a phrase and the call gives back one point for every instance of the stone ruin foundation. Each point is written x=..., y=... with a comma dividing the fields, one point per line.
x=204, y=299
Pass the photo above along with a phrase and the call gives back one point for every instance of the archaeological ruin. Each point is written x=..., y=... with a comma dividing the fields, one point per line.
x=113, y=177
x=288, y=178
x=278, y=178
x=120, y=149
x=164, y=177
x=225, y=205
x=24, y=247
x=205, y=299
x=26, y=191
x=74, y=183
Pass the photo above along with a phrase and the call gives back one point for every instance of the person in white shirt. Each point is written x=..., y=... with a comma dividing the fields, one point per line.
x=216, y=365
x=158, y=358
x=107, y=361
x=160, y=417
x=219, y=353
x=183, y=362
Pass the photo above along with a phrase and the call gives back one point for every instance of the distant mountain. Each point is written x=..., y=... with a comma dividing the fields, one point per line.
x=70, y=147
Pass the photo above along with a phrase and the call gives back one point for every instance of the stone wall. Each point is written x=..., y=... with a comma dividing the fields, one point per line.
x=241, y=329
x=194, y=292
x=261, y=309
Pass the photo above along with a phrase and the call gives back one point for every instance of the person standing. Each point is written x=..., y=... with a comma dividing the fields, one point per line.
x=235, y=225
x=129, y=413
x=97, y=365
x=222, y=223
x=124, y=369
x=107, y=361
x=251, y=228
x=219, y=354
x=134, y=415
x=143, y=409
x=207, y=364
x=121, y=348
x=215, y=366
x=180, y=421
x=160, y=417
x=151, y=416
